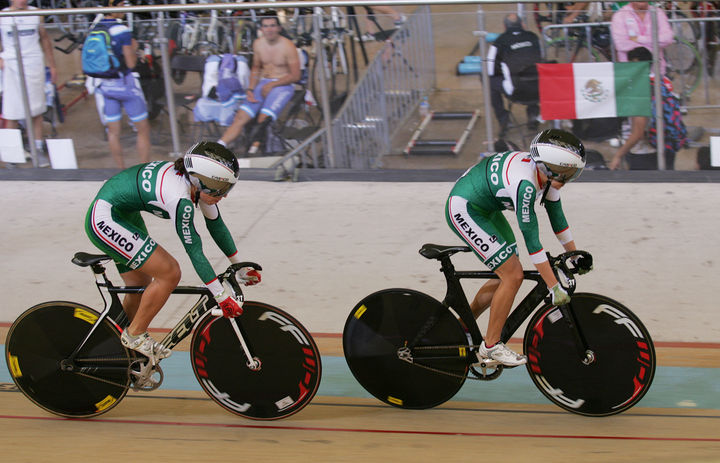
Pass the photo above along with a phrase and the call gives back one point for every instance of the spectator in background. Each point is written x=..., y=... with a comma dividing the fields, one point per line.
x=34, y=45
x=511, y=65
x=275, y=68
x=123, y=91
x=643, y=131
x=631, y=27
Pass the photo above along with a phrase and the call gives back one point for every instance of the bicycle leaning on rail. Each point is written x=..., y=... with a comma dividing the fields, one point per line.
x=592, y=356
x=68, y=359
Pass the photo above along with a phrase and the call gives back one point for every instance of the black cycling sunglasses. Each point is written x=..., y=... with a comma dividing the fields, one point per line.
x=216, y=192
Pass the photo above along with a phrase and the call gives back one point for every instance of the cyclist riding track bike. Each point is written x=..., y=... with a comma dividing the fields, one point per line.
x=512, y=180
x=592, y=356
x=172, y=191
x=68, y=358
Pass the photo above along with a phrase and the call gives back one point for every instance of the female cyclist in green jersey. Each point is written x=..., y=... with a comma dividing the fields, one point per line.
x=512, y=180
x=168, y=190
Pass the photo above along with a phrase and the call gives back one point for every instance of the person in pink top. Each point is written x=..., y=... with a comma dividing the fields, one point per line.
x=631, y=27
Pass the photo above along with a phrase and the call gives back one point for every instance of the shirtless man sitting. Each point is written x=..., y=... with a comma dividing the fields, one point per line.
x=276, y=66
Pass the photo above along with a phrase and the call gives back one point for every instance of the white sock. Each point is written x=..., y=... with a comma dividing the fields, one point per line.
x=222, y=143
x=39, y=145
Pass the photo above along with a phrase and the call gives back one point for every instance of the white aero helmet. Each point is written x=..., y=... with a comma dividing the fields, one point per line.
x=558, y=154
x=212, y=168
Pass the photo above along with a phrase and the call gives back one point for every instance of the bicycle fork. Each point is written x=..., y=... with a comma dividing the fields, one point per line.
x=252, y=362
x=585, y=353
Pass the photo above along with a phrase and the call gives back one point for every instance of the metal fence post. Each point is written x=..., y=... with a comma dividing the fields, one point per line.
x=30, y=129
x=659, y=119
x=324, y=98
x=485, y=79
x=169, y=97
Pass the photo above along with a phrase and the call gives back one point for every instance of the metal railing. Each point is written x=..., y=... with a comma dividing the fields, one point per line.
x=391, y=88
x=402, y=71
x=380, y=102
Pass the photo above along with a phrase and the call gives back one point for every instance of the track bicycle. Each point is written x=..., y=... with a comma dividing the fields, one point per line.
x=67, y=358
x=592, y=356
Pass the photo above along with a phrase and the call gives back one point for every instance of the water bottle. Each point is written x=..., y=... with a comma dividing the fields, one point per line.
x=424, y=107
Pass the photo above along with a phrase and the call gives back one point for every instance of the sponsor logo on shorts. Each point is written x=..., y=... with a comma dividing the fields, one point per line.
x=143, y=254
x=500, y=257
x=472, y=235
x=114, y=236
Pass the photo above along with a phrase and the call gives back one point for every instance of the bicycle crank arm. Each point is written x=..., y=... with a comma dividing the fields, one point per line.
x=144, y=376
x=487, y=369
x=487, y=363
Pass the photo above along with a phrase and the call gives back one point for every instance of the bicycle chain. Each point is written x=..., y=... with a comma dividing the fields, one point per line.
x=97, y=378
x=437, y=370
x=101, y=359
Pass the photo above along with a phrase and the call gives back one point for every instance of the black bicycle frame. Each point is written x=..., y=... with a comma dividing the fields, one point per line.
x=456, y=299
x=115, y=311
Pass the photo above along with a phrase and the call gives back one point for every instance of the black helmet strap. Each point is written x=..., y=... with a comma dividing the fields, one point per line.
x=545, y=190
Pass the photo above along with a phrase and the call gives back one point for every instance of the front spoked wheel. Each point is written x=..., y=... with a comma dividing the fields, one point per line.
x=284, y=375
x=609, y=374
x=37, y=350
x=406, y=348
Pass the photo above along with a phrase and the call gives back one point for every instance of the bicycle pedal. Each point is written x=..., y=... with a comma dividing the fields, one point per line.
x=487, y=363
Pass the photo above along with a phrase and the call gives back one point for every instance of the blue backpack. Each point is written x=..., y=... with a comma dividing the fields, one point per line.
x=228, y=82
x=98, y=58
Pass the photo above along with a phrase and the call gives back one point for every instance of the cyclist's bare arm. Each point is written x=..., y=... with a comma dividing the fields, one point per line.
x=546, y=273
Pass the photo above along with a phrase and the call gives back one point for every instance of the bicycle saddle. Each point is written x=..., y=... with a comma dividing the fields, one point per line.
x=438, y=251
x=83, y=259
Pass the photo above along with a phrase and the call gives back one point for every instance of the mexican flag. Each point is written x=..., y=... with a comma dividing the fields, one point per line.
x=592, y=90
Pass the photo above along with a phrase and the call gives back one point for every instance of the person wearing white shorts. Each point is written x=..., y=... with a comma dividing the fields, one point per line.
x=36, y=50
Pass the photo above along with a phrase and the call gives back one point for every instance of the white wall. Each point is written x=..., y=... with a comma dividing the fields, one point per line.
x=325, y=245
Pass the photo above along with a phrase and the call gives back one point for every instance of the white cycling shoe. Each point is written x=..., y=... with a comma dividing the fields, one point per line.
x=145, y=345
x=500, y=353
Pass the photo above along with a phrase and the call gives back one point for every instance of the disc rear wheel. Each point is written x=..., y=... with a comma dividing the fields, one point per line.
x=406, y=348
x=37, y=350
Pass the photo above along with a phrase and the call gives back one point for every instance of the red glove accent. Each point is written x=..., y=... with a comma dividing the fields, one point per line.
x=230, y=307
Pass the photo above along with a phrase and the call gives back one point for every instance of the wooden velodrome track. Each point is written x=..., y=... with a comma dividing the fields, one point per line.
x=187, y=426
